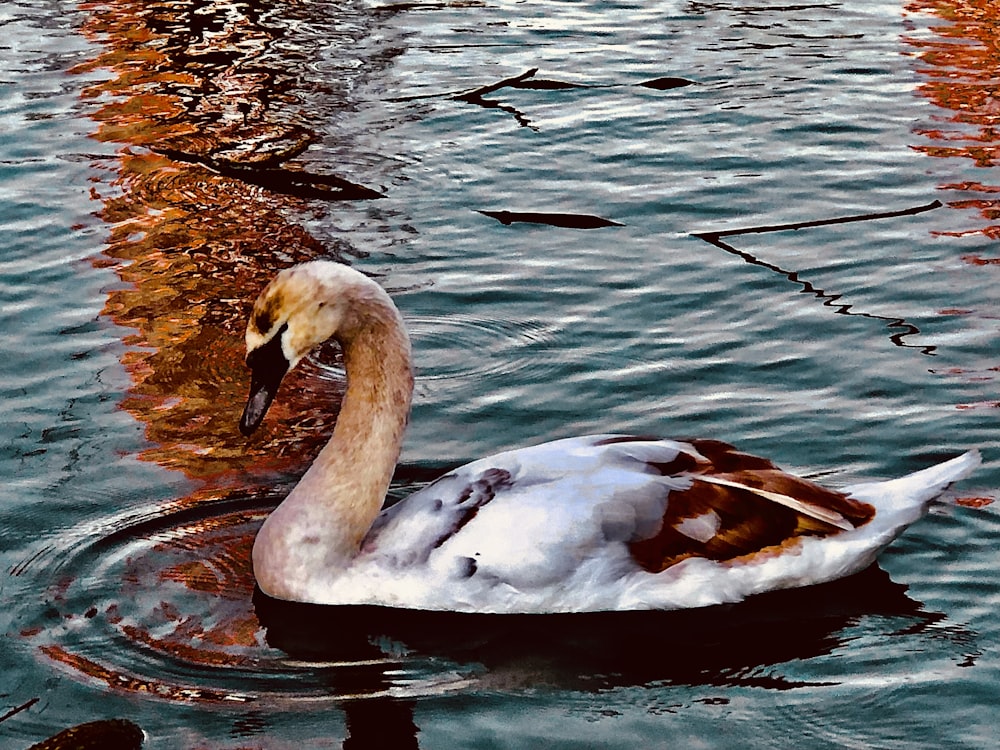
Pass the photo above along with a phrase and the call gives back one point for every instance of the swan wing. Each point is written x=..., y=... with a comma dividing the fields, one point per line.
x=584, y=516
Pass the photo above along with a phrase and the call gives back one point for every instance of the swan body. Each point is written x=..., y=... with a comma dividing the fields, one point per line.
x=593, y=523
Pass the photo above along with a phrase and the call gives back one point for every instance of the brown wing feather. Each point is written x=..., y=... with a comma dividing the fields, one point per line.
x=732, y=523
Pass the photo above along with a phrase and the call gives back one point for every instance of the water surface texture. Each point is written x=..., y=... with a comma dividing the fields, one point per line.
x=594, y=217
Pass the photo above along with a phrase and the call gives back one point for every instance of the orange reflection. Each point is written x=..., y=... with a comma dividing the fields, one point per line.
x=214, y=624
x=201, y=209
x=960, y=62
x=197, y=228
x=121, y=680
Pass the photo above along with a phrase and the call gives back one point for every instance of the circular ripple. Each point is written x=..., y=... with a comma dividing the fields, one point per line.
x=468, y=348
x=163, y=604
x=456, y=350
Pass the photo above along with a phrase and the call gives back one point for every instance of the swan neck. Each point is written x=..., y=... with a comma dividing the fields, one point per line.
x=352, y=473
x=376, y=406
x=319, y=527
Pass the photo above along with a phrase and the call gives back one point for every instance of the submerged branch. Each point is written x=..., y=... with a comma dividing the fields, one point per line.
x=709, y=236
x=527, y=80
x=569, y=221
x=295, y=182
x=15, y=711
x=482, y=91
x=900, y=327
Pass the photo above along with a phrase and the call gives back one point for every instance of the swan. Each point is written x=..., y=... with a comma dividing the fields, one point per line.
x=593, y=523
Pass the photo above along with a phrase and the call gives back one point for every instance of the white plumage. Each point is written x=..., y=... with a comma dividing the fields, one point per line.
x=601, y=522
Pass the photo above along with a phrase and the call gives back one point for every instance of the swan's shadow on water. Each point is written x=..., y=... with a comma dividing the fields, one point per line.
x=737, y=645
x=722, y=645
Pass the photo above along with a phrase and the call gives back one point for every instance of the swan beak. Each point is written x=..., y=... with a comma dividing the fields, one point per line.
x=268, y=366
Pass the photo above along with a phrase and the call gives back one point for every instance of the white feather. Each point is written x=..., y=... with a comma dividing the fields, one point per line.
x=552, y=541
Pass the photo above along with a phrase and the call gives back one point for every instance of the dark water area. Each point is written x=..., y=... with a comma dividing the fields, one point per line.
x=771, y=224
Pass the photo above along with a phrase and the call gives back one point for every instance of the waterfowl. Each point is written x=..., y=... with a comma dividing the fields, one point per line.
x=593, y=523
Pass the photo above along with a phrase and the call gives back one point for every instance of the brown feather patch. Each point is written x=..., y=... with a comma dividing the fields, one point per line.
x=267, y=310
x=747, y=525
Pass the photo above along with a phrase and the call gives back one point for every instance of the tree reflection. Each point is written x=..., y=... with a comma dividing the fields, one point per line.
x=958, y=64
x=206, y=98
x=209, y=101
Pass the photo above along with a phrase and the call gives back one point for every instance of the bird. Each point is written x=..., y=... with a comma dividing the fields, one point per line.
x=605, y=522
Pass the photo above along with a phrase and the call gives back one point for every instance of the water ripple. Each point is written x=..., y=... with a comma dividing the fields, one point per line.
x=161, y=603
x=469, y=347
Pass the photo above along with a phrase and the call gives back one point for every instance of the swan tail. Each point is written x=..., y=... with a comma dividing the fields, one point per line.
x=912, y=494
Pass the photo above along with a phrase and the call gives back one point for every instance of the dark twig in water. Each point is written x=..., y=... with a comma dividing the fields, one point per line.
x=829, y=300
x=666, y=83
x=570, y=221
x=475, y=96
x=709, y=236
x=19, y=709
x=482, y=91
x=519, y=116
x=298, y=183
x=527, y=81
x=546, y=84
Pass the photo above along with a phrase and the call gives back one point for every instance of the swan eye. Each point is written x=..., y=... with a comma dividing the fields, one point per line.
x=262, y=320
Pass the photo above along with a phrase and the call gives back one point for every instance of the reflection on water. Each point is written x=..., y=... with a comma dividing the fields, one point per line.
x=899, y=327
x=209, y=101
x=725, y=646
x=211, y=132
x=207, y=203
x=217, y=186
x=176, y=617
x=959, y=64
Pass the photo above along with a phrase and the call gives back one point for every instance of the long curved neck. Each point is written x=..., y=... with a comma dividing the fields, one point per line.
x=320, y=525
x=351, y=474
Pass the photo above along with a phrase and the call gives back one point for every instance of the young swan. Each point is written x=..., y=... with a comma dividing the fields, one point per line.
x=602, y=522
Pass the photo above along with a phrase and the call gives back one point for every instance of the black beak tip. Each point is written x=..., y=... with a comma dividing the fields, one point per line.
x=257, y=404
x=248, y=427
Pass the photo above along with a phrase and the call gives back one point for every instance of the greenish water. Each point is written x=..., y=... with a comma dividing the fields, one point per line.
x=136, y=224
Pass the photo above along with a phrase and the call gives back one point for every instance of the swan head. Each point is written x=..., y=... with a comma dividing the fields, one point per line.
x=299, y=309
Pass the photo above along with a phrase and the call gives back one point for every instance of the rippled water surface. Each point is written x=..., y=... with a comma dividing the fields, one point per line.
x=159, y=161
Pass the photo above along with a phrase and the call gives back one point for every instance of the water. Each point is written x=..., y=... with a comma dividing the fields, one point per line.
x=160, y=161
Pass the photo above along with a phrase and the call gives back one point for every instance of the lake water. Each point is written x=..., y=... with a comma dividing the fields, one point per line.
x=160, y=161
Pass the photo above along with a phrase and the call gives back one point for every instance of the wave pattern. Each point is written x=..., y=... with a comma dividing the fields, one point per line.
x=164, y=158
